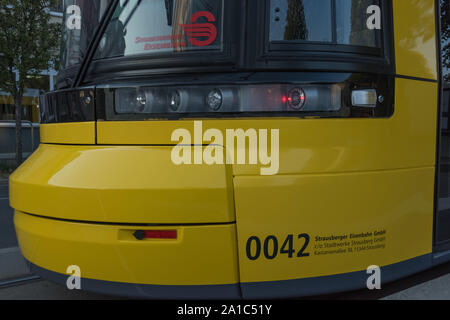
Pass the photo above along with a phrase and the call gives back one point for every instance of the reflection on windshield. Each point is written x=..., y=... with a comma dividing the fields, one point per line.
x=76, y=40
x=162, y=26
x=445, y=34
x=301, y=20
x=351, y=23
x=313, y=20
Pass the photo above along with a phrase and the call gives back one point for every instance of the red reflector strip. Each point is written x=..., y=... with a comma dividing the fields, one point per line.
x=160, y=234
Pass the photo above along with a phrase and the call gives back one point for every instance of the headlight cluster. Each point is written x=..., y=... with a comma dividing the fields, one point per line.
x=228, y=99
x=342, y=95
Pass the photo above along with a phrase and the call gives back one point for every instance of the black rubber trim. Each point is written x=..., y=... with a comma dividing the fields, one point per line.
x=254, y=290
x=113, y=145
x=334, y=283
x=133, y=224
x=415, y=78
x=146, y=291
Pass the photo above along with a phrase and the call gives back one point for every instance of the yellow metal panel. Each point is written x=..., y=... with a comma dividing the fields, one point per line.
x=202, y=255
x=415, y=38
x=322, y=145
x=121, y=184
x=399, y=203
x=68, y=133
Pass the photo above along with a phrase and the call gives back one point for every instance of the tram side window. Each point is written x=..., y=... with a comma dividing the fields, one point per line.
x=444, y=189
x=443, y=216
x=445, y=38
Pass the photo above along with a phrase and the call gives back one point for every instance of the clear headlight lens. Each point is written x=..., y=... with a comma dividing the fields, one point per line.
x=229, y=99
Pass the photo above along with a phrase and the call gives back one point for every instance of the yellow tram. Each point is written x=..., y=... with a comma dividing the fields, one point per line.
x=240, y=148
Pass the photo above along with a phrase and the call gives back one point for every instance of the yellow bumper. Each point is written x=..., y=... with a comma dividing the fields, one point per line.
x=81, y=205
x=201, y=257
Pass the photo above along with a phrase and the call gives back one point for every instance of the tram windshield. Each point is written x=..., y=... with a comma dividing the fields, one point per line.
x=163, y=27
x=142, y=27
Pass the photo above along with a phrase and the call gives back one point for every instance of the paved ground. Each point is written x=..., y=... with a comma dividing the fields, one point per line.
x=7, y=233
x=43, y=290
x=433, y=284
x=437, y=289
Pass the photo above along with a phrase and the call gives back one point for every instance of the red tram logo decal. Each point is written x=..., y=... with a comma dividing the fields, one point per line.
x=194, y=30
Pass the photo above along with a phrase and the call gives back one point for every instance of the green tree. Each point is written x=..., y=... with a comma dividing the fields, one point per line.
x=29, y=42
x=445, y=33
x=296, y=23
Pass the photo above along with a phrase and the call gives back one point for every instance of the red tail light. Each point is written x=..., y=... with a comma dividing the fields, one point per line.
x=156, y=234
x=161, y=234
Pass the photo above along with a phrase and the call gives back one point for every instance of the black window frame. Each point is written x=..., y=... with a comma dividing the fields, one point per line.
x=316, y=56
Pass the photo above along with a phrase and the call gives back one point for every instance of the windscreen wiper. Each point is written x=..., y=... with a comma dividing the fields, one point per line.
x=133, y=11
x=99, y=32
x=169, y=11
